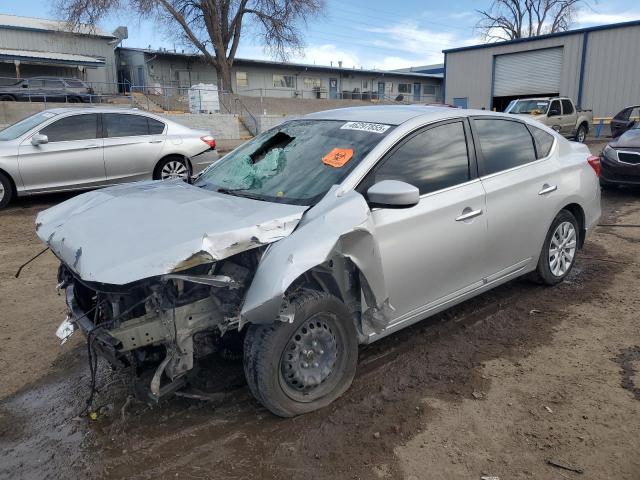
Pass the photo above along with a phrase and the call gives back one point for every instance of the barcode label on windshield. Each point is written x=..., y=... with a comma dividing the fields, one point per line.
x=365, y=127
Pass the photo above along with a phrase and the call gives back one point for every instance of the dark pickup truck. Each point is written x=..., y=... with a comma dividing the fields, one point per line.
x=49, y=89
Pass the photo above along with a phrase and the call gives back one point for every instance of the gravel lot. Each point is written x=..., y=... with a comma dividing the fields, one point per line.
x=496, y=386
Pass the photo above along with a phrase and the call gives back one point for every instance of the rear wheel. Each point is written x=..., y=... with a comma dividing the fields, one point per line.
x=6, y=190
x=607, y=185
x=295, y=368
x=581, y=134
x=559, y=250
x=172, y=168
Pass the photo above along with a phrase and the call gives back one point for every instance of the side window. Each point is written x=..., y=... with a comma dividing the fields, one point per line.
x=431, y=160
x=36, y=83
x=635, y=114
x=155, y=127
x=53, y=84
x=125, y=125
x=554, y=109
x=544, y=141
x=623, y=115
x=505, y=144
x=76, y=127
x=567, y=107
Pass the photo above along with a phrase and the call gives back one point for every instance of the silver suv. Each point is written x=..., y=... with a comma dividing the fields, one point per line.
x=64, y=149
x=323, y=233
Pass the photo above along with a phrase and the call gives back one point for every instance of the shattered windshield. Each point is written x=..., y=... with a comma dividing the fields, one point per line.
x=296, y=162
x=531, y=107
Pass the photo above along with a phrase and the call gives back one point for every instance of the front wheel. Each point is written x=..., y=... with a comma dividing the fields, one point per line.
x=298, y=367
x=6, y=190
x=559, y=250
x=581, y=134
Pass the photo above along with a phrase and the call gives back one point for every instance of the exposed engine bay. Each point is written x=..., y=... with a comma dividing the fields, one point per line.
x=161, y=326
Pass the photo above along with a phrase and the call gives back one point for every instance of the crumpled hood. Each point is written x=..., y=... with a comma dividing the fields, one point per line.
x=125, y=233
x=629, y=139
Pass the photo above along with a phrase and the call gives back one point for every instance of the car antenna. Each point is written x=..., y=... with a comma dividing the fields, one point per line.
x=29, y=261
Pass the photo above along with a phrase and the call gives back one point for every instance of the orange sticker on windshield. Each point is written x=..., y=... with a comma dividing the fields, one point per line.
x=338, y=157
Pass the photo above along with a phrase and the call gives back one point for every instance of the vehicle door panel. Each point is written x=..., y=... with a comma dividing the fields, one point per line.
x=428, y=255
x=66, y=162
x=130, y=151
x=569, y=118
x=520, y=193
x=555, y=121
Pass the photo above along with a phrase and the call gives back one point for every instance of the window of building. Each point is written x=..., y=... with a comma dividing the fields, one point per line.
x=283, y=81
x=389, y=87
x=544, y=141
x=242, y=80
x=431, y=160
x=123, y=125
x=404, y=88
x=429, y=89
x=365, y=85
x=76, y=127
x=567, y=107
x=505, y=144
x=310, y=83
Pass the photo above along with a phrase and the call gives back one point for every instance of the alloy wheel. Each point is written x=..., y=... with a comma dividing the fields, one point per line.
x=581, y=135
x=3, y=192
x=309, y=359
x=174, y=169
x=562, y=249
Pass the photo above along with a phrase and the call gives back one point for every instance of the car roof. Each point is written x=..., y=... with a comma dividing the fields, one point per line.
x=61, y=110
x=398, y=114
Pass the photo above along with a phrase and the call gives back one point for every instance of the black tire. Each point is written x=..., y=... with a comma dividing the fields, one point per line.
x=157, y=173
x=73, y=100
x=270, y=350
x=6, y=190
x=543, y=273
x=7, y=98
x=581, y=133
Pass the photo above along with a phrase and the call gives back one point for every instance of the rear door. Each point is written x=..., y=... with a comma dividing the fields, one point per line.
x=132, y=146
x=569, y=117
x=71, y=159
x=433, y=251
x=521, y=186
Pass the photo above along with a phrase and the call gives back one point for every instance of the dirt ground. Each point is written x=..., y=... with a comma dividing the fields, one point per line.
x=496, y=386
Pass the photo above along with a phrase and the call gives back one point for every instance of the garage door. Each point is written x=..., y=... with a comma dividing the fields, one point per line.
x=528, y=73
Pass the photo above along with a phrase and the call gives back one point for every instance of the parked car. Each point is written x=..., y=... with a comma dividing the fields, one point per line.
x=624, y=120
x=621, y=160
x=80, y=148
x=325, y=232
x=558, y=113
x=50, y=89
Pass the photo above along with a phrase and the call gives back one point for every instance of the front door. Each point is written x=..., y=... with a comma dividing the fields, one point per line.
x=381, y=87
x=521, y=194
x=434, y=251
x=71, y=159
x=417, y=92
x=333, y=88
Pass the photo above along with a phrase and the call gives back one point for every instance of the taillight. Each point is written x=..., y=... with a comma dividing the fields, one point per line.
x=209, y=140
x=594, y=161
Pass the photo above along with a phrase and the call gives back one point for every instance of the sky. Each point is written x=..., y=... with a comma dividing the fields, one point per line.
x=360, y=33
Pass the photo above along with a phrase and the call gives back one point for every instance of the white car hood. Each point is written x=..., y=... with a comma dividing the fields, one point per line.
x=125, y=233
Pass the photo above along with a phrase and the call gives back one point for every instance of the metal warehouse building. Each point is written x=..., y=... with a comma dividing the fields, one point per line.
x=598, y=67
x=31, y=47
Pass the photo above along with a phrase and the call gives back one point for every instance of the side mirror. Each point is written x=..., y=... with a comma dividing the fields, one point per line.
x=393, y=194
x=39, y=139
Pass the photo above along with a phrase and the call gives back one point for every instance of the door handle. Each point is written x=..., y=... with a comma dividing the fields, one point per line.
x=91, y=146
x=155, y=141
x=467, y=214
x=546, y=188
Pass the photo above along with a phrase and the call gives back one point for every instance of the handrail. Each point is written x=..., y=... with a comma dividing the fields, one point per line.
x=251, y=115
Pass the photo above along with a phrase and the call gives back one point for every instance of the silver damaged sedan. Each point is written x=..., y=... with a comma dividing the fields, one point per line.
x=65, y=149
x=321, y=234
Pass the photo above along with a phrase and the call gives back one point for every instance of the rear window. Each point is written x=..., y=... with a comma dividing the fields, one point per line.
x=505, y=144
x=567, y=107
x=126, y=125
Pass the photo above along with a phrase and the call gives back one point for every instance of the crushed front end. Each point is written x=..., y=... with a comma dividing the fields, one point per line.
x=159, y=327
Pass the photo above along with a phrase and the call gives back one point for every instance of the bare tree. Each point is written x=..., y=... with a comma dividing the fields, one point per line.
x=213, y=27
x=511, y=19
